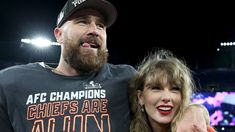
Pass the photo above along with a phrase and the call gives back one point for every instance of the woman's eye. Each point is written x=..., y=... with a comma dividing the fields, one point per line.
x=156, y=88
x=175, y=88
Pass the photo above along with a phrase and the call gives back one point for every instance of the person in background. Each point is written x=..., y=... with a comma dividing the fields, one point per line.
x=160, y=92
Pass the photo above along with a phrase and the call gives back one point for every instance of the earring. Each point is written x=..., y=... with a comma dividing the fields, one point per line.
x=142, y=108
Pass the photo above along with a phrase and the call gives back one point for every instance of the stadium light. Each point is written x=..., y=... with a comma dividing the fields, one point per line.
x=39, y=42
x=227, y=44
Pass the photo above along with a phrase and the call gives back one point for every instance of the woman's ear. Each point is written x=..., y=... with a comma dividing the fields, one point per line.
x=58, y=35
x=140, y=97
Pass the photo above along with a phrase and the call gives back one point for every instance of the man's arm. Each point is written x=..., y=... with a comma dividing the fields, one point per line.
x=5, y=125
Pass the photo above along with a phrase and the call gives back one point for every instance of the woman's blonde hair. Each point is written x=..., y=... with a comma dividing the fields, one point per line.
x=158, y=65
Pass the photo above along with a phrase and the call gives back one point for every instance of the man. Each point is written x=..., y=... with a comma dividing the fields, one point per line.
x=83, y=93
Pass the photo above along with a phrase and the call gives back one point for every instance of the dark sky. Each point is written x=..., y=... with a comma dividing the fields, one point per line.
x=193, y=31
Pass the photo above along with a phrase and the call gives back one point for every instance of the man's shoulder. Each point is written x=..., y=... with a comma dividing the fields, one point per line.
x=120, y=69
x=18, y=68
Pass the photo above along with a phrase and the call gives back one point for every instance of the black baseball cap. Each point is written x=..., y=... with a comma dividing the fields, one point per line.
x=103, y=6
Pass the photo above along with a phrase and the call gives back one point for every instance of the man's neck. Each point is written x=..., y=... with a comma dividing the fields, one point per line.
x=65, y=69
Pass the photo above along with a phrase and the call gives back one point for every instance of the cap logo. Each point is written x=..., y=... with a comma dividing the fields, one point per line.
x=77, y=2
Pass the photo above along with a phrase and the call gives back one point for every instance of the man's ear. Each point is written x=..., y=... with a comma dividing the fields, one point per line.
x=140, y=97
x=58, y=35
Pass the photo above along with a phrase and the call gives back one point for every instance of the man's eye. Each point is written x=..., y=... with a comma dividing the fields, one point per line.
x=100, y=26
x=82, y=22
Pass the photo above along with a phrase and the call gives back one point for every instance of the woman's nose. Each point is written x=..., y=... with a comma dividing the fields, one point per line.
x=166, y=100
x=166, y=97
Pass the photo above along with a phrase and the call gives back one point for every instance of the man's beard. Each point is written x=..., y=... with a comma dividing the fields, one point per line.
x=84, y=63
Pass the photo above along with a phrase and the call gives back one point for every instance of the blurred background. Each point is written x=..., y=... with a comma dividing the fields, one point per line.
x=202, y=34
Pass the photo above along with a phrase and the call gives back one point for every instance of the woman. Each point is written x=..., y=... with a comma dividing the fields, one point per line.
x=160, y=92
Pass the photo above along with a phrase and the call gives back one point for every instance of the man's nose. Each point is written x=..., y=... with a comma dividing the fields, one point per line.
x=92, y=29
